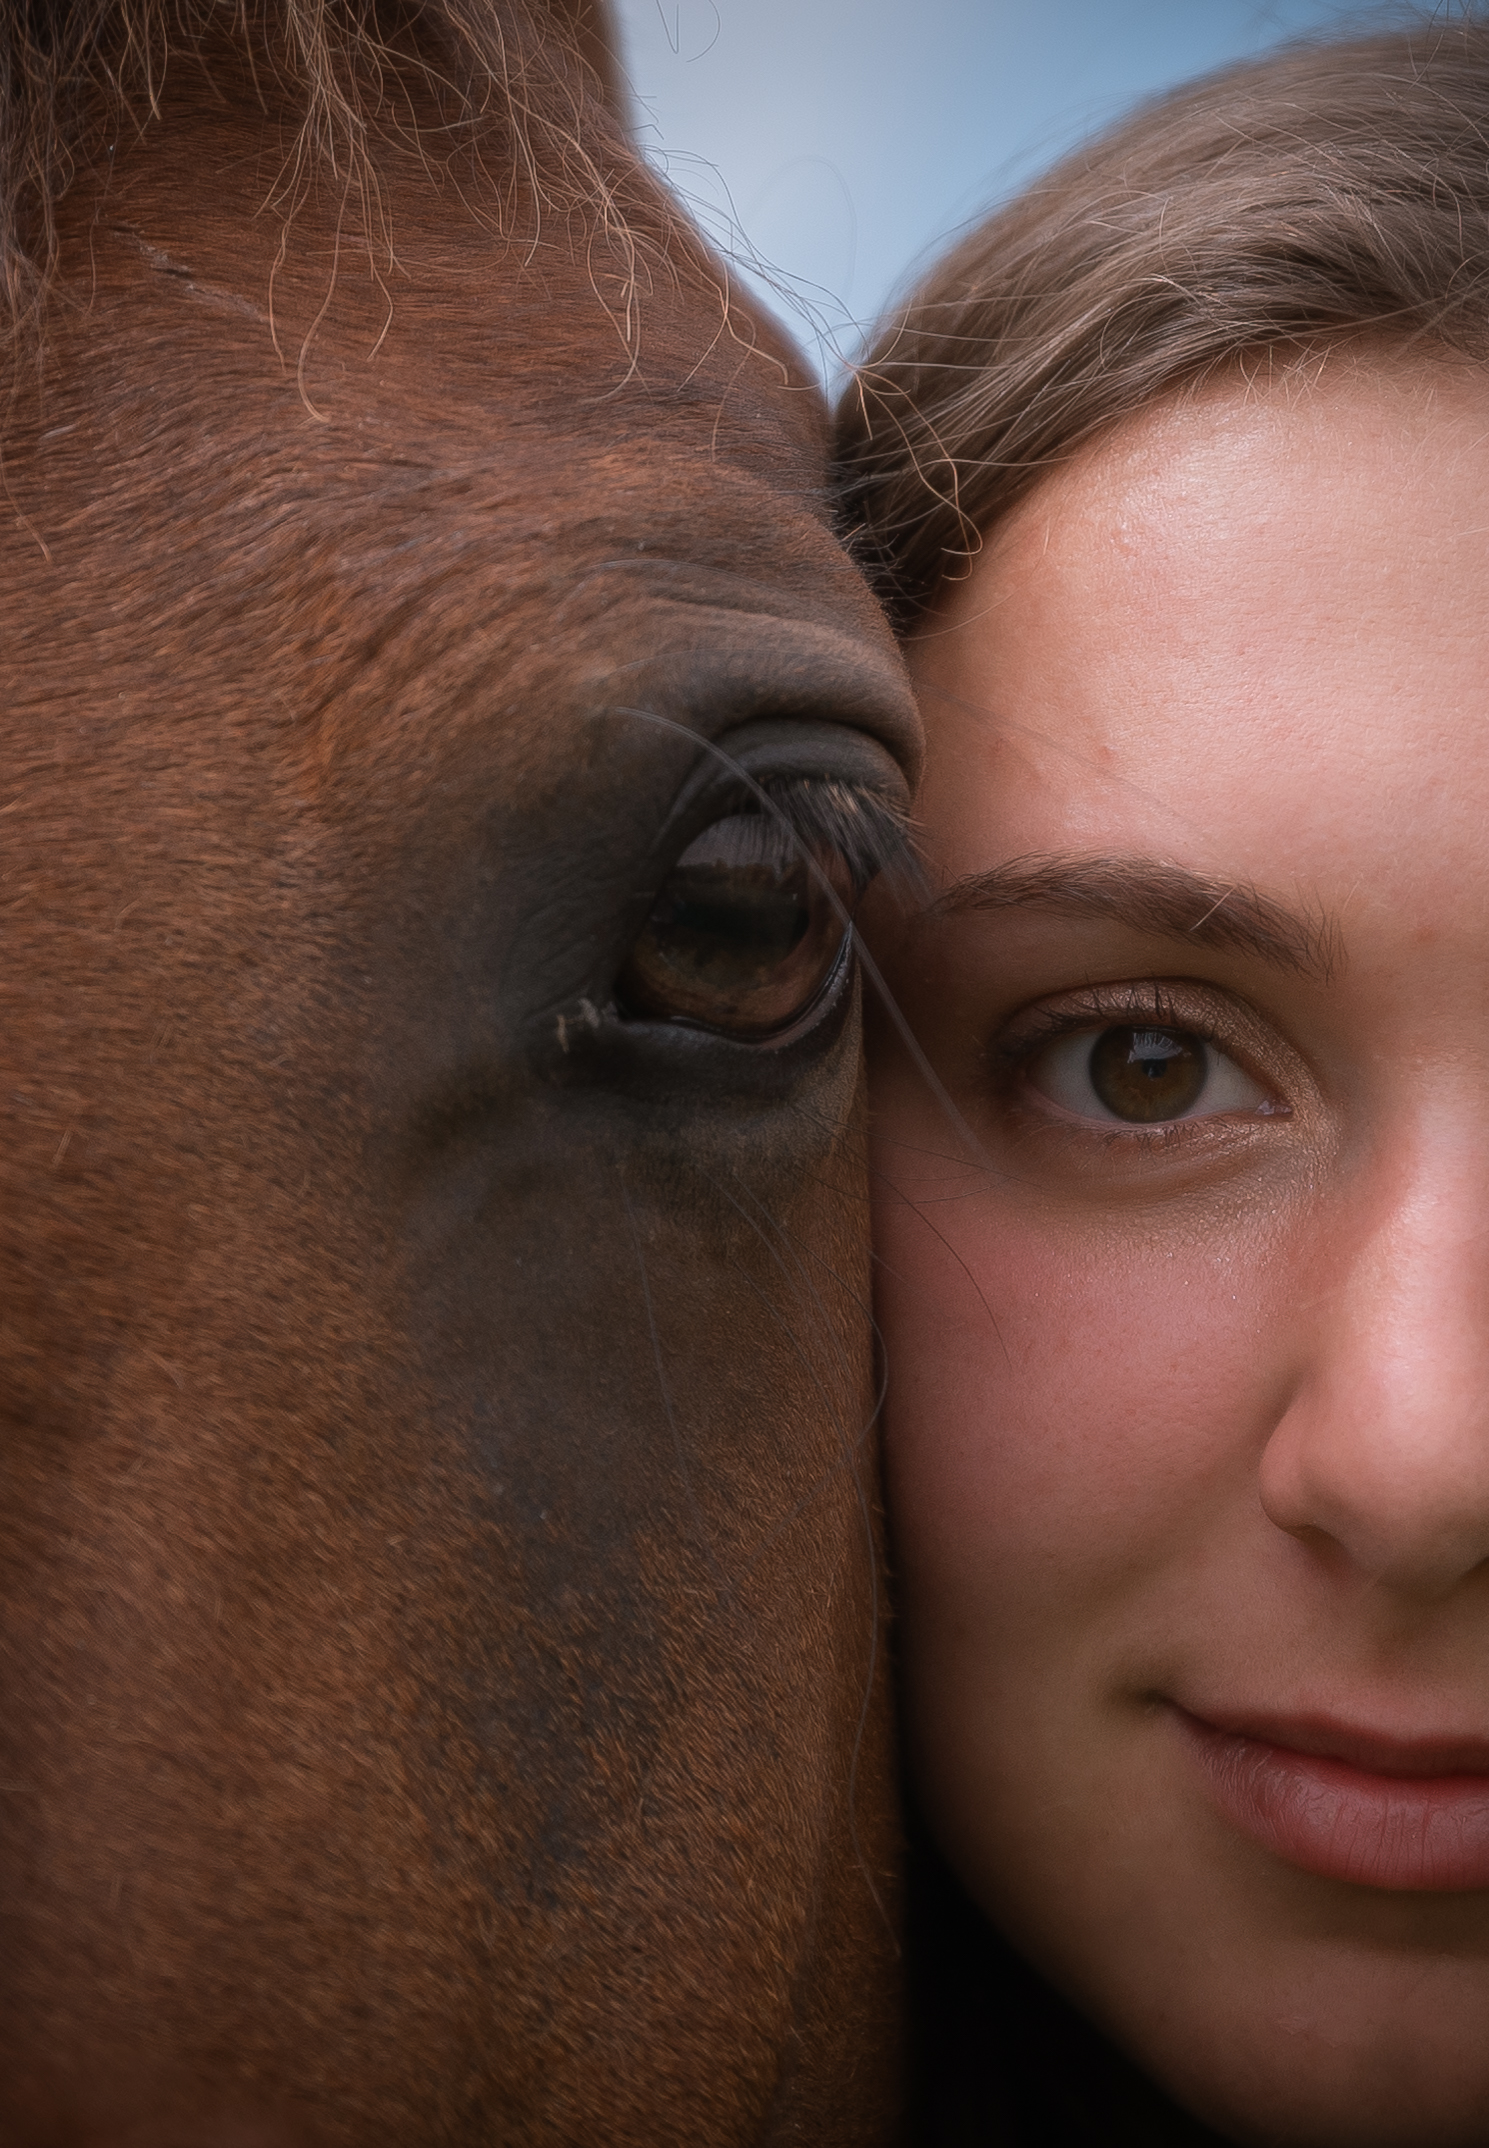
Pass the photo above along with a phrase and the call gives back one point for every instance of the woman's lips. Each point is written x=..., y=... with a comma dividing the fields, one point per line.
x=1349, y=1804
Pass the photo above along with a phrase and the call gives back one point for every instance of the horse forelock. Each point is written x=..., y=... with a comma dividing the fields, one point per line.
x=518, y=95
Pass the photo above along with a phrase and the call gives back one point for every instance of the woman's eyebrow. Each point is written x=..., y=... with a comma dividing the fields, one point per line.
x=1154, y=897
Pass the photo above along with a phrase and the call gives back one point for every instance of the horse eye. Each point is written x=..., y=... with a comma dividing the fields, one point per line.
x=746, y=932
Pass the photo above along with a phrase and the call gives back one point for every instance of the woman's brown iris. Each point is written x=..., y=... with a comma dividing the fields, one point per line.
x=745, y=933
x=1149, y=1074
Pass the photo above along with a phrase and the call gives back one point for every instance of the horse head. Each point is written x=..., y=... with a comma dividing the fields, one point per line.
x=442, y=1694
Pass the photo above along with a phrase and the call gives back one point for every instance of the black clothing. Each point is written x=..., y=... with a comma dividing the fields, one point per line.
x=999, y=2059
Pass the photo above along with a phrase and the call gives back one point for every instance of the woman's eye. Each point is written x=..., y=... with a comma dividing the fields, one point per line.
x=1142, y=1076
x=747, y=932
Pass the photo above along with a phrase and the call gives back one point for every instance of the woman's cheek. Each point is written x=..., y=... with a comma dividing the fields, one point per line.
x=1072, y=1411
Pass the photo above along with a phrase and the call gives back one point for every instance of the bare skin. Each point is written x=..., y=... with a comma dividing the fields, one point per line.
x=1189, y=1415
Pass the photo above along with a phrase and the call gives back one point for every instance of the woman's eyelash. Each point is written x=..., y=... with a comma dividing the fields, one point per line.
x=1044, y=1025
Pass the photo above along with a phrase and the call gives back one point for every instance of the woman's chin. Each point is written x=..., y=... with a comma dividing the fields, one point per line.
x=1318, y=2063
x=1210, y=1930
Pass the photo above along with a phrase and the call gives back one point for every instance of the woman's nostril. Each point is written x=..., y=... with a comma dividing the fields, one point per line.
x=1360, y=1526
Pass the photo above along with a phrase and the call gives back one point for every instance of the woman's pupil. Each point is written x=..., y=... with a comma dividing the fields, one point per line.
x=1147, y=1075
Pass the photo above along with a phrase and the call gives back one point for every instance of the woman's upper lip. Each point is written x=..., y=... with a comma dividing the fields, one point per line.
x=1325, y=1737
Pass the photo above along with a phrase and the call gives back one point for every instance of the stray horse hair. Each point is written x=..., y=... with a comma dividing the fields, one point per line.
x=72, y=72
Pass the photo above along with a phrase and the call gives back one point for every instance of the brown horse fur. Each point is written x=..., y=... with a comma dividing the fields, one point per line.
x=437, y=1591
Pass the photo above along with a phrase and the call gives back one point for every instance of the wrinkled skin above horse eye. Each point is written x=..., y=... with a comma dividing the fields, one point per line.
x=747, y=933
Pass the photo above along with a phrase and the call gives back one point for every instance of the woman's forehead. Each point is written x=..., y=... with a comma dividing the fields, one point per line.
x=1320, y=460
x=1243, y=632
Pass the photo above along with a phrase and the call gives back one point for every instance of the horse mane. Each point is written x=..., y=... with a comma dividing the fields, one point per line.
x=535, y=76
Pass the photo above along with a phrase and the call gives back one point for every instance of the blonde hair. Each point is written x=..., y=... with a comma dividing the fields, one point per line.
x=1330, y=190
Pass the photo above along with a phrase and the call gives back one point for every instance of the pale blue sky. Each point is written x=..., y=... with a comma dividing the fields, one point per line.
x=846, y=139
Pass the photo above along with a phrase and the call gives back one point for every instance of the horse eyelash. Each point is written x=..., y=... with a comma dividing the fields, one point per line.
x=869, y=831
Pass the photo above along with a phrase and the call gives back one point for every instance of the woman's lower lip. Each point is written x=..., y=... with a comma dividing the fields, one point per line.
x=1406, y=1833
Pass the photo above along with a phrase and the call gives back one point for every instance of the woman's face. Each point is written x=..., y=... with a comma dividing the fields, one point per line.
x=1186, y=1300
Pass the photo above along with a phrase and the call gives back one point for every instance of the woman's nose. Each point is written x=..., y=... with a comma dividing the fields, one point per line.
x=1383, y=1448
